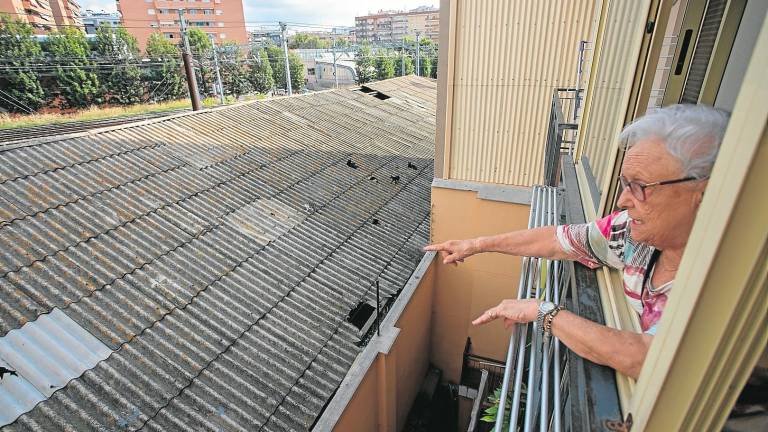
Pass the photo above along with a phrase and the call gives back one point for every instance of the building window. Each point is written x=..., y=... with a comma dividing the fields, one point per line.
x=223, y=35
x=150, y=11
x=153, y=24
x=221, y=24
x=219, y=11
x=207, y=11
x=192, y=11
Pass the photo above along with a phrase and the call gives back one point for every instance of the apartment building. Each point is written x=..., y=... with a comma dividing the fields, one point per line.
x=44, y=15
x=93, y=19
x=391, y=26
x=223, y=19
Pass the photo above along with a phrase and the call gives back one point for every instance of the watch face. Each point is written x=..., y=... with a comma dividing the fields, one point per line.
x=547, y=307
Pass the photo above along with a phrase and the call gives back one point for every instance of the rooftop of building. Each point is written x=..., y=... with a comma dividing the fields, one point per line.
x=199, y=270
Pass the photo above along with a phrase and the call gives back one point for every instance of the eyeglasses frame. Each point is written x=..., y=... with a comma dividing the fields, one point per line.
x=625, y=183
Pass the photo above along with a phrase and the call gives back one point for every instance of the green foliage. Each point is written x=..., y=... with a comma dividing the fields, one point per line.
x=385, y=65
x=115, y=42
x=304, y=40
x=343, y=43
x=295, y=65
x=122, y=85
x=202, y=50
x=426, y=66
x=365, y=64
x=490, y=413
x=260, y=74
x=409, y=68
x=77, y=85
x=164, y=81
x=21, y=86
x=234, y=73
x=199, y=42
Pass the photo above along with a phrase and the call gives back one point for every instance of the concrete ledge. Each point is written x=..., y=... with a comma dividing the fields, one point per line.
x=488, y=191
x=378, y=344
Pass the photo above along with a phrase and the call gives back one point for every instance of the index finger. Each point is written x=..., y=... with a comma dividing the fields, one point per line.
x=435, y=247
x=486, y=317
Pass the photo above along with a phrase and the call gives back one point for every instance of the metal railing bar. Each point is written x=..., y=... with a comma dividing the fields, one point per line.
x=533, y=369
x=515, y=334
x=556, y=415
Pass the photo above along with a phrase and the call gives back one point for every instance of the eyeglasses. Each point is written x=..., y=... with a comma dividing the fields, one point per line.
x=638, y=188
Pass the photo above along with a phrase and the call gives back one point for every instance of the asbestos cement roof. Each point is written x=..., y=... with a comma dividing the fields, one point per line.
x=213, y=257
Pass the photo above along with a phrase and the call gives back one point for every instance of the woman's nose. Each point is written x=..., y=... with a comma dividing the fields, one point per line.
x=625, y=198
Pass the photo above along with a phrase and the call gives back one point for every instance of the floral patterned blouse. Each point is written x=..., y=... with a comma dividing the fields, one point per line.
x=608, y=242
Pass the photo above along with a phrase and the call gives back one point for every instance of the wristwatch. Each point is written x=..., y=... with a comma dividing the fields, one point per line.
x=547, y=312
x=544, y=309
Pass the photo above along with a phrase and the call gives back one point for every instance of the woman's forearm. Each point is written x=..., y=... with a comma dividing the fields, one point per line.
x=538, y=242
x=620, y=350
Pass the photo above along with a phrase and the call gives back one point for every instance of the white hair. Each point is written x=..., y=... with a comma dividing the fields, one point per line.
x=691, y=133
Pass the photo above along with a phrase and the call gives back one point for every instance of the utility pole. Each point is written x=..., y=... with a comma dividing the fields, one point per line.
x=335, y=77
x=220, y=87
x=189, y=70
x=418, y=54
x=285, y=54
x=402, y=56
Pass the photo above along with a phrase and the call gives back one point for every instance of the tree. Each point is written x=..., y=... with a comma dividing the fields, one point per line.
x=260, y=72
x=385, y=65
x=365, y=64
x=123, y=83
x=295, y=65
x=22, y=91
x=426, y=66
x=234, y=73
x=409, y=69
x=77, y=85
x=163, y=76
x=201, y=46
x=307, y=41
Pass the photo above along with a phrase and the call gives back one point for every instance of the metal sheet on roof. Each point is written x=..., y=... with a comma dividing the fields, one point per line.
x=46, y=354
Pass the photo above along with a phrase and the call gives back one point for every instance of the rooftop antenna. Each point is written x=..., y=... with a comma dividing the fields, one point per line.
x=378, y=310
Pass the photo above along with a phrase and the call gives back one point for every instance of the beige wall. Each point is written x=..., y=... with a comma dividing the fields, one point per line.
x=464, y=292
x=607, y=101
x=386, y=393
x=503, y=59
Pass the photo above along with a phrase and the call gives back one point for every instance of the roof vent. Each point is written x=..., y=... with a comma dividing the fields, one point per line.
x=360, y=314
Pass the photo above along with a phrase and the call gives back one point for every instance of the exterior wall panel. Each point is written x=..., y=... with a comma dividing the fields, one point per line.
x=510, y=55
x=611, y=83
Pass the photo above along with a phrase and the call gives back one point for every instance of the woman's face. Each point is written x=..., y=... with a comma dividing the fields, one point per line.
x=664, y=220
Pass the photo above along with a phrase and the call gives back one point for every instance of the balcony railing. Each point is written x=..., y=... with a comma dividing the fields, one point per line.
x=562, y=129
x=551, y=388
x=535, y=363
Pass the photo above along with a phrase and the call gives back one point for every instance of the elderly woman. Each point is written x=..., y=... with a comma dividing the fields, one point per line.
x=670, y=153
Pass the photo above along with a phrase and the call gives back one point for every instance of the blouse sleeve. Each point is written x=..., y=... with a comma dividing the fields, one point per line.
x=598, y=243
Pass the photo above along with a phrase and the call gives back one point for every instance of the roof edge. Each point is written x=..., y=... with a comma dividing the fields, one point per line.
x=378, y=344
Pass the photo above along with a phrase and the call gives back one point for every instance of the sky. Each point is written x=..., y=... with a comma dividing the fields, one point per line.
x=319, y=12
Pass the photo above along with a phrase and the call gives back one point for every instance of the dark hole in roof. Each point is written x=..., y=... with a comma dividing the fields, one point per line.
x=375, y=93
x=360, y=314
x=380, y=95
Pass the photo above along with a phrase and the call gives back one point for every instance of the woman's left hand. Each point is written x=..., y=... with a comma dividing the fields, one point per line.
x=512, y=311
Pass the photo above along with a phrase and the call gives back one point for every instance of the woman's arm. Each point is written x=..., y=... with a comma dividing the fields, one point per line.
x=538, y=242
x=621, y=350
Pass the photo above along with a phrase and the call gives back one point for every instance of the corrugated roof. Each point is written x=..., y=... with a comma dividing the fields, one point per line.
x=217, y=254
